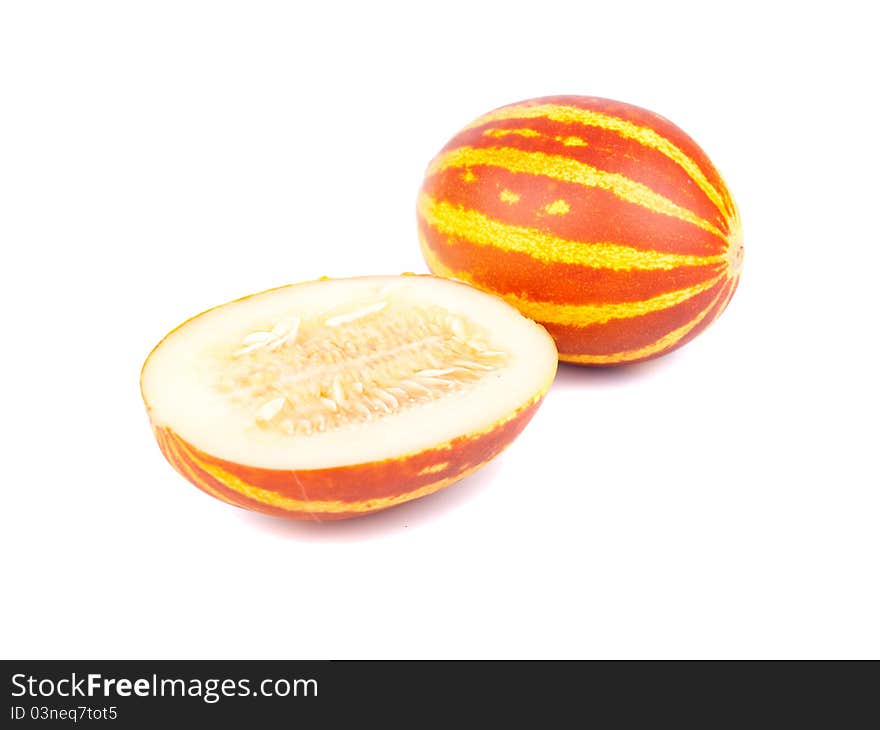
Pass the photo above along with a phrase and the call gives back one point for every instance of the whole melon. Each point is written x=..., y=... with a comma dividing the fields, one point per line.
x=603, y=221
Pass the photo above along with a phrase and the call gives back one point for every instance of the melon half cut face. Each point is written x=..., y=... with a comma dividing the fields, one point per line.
x=339, y=397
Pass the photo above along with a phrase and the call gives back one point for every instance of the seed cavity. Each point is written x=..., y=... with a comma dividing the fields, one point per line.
x=300, y=376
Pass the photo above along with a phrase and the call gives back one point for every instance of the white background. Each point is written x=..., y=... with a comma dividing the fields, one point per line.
x=160, y=158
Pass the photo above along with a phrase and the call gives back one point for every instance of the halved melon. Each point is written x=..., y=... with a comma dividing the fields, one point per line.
x=339, y=397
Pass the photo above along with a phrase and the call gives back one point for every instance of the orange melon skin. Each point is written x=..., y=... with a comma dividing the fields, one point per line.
x=604, y=222
x=346, y=491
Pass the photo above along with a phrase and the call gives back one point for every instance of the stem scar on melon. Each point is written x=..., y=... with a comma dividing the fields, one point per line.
x=340, y=397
